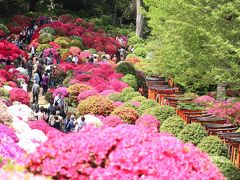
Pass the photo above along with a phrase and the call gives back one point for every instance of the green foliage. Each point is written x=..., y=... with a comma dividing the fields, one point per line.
x=76, y=37
x=213, y=146
x=45, y=38
x=41, y=47
x=125, y=68
x=4, y=28
x=138, y=99
x=135, y=40
x=198, y=43
x=192, y=133
x=146, y=104
x=93, y=51
x=131, y=80
x=226, y=167
x=140, y=51
x=48, y=30
x=127, y=90
x=48, y=96
x=190, y=106
x=77, y=43
x=4, y=92
x=64, y=42
x=173, y=125
x=161, y=112
x=116, y=97
x=129, y=96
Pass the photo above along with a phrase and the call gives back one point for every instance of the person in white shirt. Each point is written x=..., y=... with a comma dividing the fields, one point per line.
x=75, y=59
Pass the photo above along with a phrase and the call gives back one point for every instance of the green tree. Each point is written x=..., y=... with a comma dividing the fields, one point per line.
x=199, y=40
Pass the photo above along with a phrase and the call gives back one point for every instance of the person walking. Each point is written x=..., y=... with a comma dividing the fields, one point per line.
x=45, y=81
x=30, y=68
x=35, y=92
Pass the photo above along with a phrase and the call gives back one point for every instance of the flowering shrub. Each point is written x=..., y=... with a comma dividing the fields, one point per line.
x=97, y=105
x=192, y=133
x=85, y=94
x=127, y=114
x=213, y=146
x=5, y=117
x=134, y=104
x=204, y=100
x=45, y=38
x=149, y=122
x=228, y=169
x=225, y=109
x=129, y=96
x=19, y=95
x=112, y=121
x=8, y=132
x=138, y=98
x=61, y=90
x=125, y=68
x=173, y=125
x=161, y=112
x=9, y=150
x=123, y=152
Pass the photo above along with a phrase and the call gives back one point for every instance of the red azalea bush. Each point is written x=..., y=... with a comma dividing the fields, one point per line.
x=19, y=95
x=123, y=152
x=97, y=105
x=127, y=114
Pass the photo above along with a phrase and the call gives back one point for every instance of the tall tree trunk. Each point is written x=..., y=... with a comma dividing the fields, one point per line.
x=221, y=91
x=139, y=19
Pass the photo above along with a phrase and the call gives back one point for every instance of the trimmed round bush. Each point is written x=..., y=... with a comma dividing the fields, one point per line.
x=45, y=38
x=148, y=121
x=127, y=114
x=127, y=90
x=146, y=104
x=47, y=30
x=4, y=28
x=192, y=133
x=41, y=47
x=112, y=121
x=135, y=105
x=135, y=40
x=173, y=125
x=161, y=112
x=64, y=42
x=116, y=97
x=226, y=167
x=4, y=92
x=125, y=68
x=129, y=96
x=138, y=98
x=213, y=146
x=131, y=80
x=75, y=89
x=76, y=43
x=97, y=105
x=140, y=51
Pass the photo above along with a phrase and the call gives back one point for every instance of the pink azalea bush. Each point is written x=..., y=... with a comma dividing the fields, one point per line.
x=85, y=94
x=61, y=90
x=149, y=122
x=123, y=152
x=19, y=95
x=6, y=174
x=225, y=109
x=204, y=100
x=8, y=132
x=112, y=121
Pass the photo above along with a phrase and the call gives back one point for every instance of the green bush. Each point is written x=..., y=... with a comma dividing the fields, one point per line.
x=140, y=51
x=48, y=30
x=127, y=90
x=146, y=104
x=64, y=42
x=127, y=114
x=226, y=167
x=138, y=99
x=4, y=28
x=92, y=50
x=135, y=40
x=97, y=105
x=41, y=47
x=48, y=96
x=130, y=104
x=192, y=133
x=125, y=68
x=213, y=146
x=77, y=43
x=161, y=112
x=4, y=92
x=131, y=80
x=76, y=38
x=129, y=96
x=45, y=38
x=173, y=125
x=115, y=97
